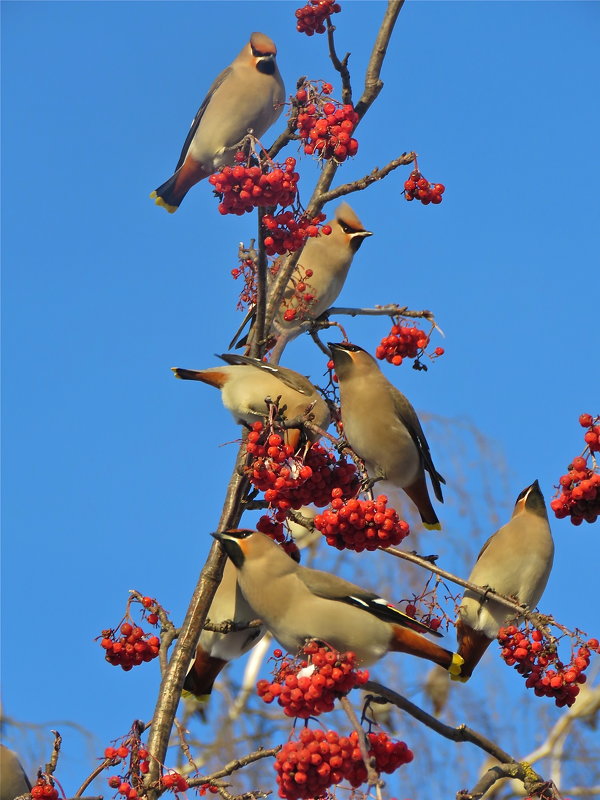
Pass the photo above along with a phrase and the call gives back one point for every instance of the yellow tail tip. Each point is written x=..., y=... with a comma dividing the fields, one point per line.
x=455, y=666
x=199, y=698
x=160, y=202
x=436, y=527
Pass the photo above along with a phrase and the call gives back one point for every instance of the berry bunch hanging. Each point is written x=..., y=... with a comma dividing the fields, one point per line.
x=44, y=789
x=294, y=480
x=405, y=341
x=579, y=488
x=318, y=759
x=312, y=16
x=244, y=188
x=131, y=648
x=310, y=684
x=535, y=657
x=361, y=524
x=419, y=188
x=288, y=231
x=325, y=126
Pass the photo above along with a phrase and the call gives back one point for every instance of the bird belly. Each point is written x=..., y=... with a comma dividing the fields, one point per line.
x=388, y=451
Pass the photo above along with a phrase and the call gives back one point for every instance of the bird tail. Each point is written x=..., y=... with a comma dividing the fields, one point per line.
x=472, y=645
x=214, y=377
x=420, y=496
x=404, y=640
x=201, y=676
x=170, y=194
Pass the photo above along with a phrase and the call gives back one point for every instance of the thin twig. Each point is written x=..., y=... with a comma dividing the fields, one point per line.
x=340, y=66
x=100, y=768
x=372, y=776
x=51, y=765
x=375, y=175
x=234, y=765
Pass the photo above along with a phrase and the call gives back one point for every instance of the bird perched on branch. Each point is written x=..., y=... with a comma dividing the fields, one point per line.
x=215, y=650
x=322, y=269
x=516, y=562
x=296, y=603
x=247, y=96
x=245, y=383
x=382, y=428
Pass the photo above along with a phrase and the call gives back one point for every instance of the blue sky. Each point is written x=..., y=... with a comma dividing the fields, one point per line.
x=114, y=473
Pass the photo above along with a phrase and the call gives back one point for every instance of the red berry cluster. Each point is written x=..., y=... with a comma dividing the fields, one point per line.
x=242, y=189
x=274, y=529
x=208, y=787
x=44, y=790
x=592, y=435
x=174, y=781
x=418, y=188
x=319, y=759
x=361, y=524
x=247, y=270
x=131, y=648
x=579, y=488
x=292, y=481
x=405, y=341
x=533, y=657
x=307, y=687
x=325, y=126
x=311, y=16
x=287, y=232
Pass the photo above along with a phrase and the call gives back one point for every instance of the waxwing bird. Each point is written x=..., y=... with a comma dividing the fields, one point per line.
x=246, y=382
x=382, y=428
x=215, y=650
x=247, y=95
x=515, y=561
x=13, y=780
x=296, y=603
x=328, y=258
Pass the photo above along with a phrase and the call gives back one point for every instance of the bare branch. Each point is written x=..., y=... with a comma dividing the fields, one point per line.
x=233, y=766
x=508, y=766
x=51, y=765
x=372, y=776
x=375, y=175
x=373, y=83
x=340, y=66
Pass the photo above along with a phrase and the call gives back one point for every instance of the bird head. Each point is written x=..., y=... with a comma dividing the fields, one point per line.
x=349, y=357
x=262, y=53
x=531, y=500
x=235, y=543
x=347, y=227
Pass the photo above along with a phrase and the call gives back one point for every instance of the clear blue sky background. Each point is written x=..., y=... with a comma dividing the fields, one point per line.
x=114, y=472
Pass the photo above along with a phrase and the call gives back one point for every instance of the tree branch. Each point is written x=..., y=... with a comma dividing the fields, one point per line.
x=375, y=175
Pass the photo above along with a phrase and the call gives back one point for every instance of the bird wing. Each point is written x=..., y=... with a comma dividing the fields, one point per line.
x=287, y=376
x=200, y=113
x=331, y=587
x=408, y=416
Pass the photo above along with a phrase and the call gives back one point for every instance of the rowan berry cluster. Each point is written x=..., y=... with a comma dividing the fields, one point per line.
x=418, y=188
x=426, y=619
x=310, y=684
x=246, y=270
x=44, y=790
x=242, y=189
x=287, y=231
x=325, y=125
x=361, y=524
x=293, y=481
x=273, y=527
x=131, y=648
x=174, y=781
x=579, y=488
x=319, y=759
x=535, y=657
x=311, y=17
x=405, y=341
